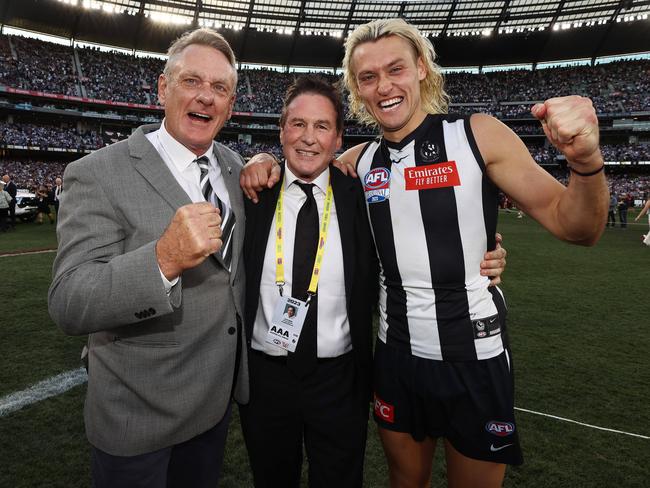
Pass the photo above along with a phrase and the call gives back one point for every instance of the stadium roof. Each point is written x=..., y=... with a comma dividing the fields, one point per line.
x=311, y=33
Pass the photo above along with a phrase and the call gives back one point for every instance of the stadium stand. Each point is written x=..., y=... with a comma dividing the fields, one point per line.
x=115, y=92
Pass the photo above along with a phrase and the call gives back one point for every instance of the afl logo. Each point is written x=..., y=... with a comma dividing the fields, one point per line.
x=501, y=429
x=376, y=185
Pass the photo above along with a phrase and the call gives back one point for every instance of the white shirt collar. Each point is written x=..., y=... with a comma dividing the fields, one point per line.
x=180, y=156
x=321, y=182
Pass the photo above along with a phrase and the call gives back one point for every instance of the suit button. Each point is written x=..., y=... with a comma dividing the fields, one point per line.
x=231, y=330
x=152, y=311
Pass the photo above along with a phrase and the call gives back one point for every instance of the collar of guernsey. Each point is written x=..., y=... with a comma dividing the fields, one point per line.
x=322, y=238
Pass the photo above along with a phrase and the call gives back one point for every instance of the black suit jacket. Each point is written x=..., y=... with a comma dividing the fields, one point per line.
x=359, y=262
x=11, y=189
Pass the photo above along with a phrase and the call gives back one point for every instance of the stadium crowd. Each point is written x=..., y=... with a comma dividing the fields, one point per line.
x=30, y=174
x=44, y=136
x=54, y=136
x=616, y=87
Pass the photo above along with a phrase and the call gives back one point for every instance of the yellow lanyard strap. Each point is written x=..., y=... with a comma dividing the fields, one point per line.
x=322, y=238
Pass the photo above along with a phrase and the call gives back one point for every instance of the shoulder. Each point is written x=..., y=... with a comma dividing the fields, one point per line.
x=494, y=139
x=481, y=121
x=352, y=155
x=226, y=152
x=342, y=182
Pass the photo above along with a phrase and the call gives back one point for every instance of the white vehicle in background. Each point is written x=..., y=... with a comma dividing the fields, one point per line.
x=26, y=205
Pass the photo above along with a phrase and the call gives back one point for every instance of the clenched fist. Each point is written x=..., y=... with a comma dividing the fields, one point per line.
x=193, y=234
x=570, y=123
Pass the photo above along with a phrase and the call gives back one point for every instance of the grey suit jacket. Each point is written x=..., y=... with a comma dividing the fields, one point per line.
x=160, y=367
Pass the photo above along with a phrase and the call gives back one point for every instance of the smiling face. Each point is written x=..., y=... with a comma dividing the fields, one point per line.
x=309, y=135
x=388, y=76
x=198, y=96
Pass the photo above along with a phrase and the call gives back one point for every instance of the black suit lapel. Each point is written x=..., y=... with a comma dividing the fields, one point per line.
x=345, y=201
x=259, y=218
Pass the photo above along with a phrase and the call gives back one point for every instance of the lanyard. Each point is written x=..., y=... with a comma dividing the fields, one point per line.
x=322, y=238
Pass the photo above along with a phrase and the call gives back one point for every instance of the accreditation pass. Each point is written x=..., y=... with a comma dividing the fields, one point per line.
x=286, y=323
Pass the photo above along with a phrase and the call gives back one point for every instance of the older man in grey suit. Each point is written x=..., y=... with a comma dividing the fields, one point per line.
x=150, y=266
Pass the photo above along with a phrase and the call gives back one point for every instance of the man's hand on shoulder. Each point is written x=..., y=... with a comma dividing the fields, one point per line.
x=347, y=162
x=346, y=168
x=193, y=234
x=262, y=171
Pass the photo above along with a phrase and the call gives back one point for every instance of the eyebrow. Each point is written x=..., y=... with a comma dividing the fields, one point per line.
x=386, y=65
x=222, y=79
x=318, y=121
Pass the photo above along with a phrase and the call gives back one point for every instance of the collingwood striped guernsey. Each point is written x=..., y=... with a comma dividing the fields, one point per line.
x=433, y=213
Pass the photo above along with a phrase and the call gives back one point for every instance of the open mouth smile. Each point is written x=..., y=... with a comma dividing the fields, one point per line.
x=305, y=152
x=199, y=116
x=390, y=104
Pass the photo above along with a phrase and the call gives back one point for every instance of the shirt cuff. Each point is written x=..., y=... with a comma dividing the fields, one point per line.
x=168, y=284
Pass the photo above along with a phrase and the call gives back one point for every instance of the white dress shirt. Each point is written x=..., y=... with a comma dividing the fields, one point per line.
x=180, y=161
x=333, y=330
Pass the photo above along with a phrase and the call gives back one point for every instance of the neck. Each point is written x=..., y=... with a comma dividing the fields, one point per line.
x=307, y=178
x=397, y=135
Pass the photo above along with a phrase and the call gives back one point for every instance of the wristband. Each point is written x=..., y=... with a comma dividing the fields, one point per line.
x=591, y=173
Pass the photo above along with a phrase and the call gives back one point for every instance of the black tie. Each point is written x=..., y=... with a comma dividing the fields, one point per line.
x=304, y=360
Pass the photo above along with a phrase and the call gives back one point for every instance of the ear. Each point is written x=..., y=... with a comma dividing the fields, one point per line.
x=162, y=87
x=339, y=140
x=422, y=69
x=231, y=105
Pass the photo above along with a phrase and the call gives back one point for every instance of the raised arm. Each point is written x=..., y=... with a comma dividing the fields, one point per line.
x=576, y=213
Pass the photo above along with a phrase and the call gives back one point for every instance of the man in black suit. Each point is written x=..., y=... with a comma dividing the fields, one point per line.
x=320, y=393
x=10, y=187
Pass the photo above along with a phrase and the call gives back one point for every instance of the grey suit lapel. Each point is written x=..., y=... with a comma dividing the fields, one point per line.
x=230, y=174
x=150, y=165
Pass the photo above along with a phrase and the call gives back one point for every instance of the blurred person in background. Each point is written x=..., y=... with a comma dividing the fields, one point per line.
x=611, y=214
x=645, y=211
x=10, y=187
x=5, y=201
x=623, y=204
x=43, y=204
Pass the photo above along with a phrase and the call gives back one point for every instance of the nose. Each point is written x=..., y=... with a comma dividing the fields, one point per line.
x=308, y=136
x=384, y=85
x=205, y=95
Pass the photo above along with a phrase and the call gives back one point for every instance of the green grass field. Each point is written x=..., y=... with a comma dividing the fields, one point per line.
x=577, y=321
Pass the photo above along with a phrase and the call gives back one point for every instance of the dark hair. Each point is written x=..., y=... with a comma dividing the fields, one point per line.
x=315, y=85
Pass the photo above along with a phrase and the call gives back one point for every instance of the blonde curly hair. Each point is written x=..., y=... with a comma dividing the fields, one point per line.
x=433, y=97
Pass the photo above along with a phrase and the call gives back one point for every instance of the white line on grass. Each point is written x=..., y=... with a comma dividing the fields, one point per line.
x=43, y=389
x=65, y=381
x=12, y=254
x=581, y=423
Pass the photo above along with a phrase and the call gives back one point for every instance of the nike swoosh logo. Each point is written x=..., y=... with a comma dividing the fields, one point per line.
x=495, y=449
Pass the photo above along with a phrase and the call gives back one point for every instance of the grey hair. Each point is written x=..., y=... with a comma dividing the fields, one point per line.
x=202, y=37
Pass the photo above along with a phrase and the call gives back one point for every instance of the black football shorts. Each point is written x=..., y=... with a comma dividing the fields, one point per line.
x=469, y=403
